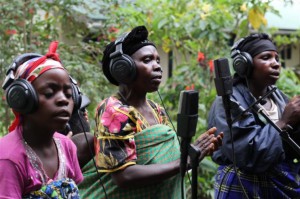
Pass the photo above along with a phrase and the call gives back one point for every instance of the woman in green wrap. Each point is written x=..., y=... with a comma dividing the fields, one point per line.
x=136, y=152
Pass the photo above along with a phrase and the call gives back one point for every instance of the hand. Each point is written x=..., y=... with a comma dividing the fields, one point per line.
x=208, y=142
x=70, y=134
x=291, y=113
x=85, y=114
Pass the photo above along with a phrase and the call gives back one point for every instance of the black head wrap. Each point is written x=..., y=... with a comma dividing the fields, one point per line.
x=136, y=39
x=256, y=43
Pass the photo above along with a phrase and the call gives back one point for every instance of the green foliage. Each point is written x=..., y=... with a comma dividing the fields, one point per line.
x=289, y=82
x=188, y=26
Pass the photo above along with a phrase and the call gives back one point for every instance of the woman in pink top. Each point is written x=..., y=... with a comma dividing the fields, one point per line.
x=36, y=161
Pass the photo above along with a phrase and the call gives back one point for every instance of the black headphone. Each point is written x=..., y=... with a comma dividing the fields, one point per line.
x=20, y=94
x=122, y=66
x=76, y=94
x=242, y=61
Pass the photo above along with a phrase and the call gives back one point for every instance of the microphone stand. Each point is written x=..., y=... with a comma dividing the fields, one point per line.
x=194, y=154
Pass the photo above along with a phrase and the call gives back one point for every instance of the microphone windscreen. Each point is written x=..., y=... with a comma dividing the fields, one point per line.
x=223, y=79
x=188, y=102
x=221, y=67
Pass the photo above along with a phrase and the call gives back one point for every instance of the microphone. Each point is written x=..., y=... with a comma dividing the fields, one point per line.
x=186, y=123
x=223, y=83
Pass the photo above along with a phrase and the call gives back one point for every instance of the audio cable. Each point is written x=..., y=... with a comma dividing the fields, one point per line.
x=93, y=157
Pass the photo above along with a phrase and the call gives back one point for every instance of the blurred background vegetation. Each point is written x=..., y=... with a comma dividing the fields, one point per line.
x=199, y=30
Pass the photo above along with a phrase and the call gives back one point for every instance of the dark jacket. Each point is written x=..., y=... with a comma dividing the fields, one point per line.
x=257, y=144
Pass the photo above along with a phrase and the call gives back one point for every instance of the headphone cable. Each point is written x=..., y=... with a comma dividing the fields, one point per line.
x=229, y=123
x=92, y=155
x=234, y=167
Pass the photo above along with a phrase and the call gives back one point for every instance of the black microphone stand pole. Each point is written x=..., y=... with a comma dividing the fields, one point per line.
x=194, y=154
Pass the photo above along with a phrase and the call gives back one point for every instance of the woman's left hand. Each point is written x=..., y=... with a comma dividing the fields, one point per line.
x=208, y=142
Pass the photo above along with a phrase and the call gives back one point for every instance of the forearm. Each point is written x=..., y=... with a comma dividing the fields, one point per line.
x=83, y=147
x=142, y=175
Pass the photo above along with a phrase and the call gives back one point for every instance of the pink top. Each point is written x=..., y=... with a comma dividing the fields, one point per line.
x=18, y=169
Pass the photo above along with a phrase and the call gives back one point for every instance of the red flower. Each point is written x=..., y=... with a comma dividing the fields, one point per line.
x=113, y=29
x=10, y=32
x=191, y=87
x=31, y=10
x=211, y=66
x=201, y=57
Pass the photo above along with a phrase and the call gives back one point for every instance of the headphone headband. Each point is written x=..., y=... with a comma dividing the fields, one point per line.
x=121, y=38
x=118, y=44
x=10, y=77
x=122, y=68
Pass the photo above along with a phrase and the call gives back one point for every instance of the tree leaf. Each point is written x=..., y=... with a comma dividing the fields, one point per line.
x=256, y=18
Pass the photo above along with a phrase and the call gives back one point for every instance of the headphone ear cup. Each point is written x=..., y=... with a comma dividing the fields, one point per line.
x=76, y=95
x=243, y=64
x=123, y=69
x=22, y=97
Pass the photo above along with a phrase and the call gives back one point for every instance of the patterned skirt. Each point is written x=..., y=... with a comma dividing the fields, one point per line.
x=282, y=182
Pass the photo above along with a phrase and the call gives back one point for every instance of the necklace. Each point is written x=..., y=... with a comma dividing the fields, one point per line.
x=37, y=164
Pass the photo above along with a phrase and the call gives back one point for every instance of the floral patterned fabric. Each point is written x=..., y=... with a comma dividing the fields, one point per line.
x=116, y=126
x=58, y=189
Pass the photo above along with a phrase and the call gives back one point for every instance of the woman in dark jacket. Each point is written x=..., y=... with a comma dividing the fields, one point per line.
x=266, y=165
